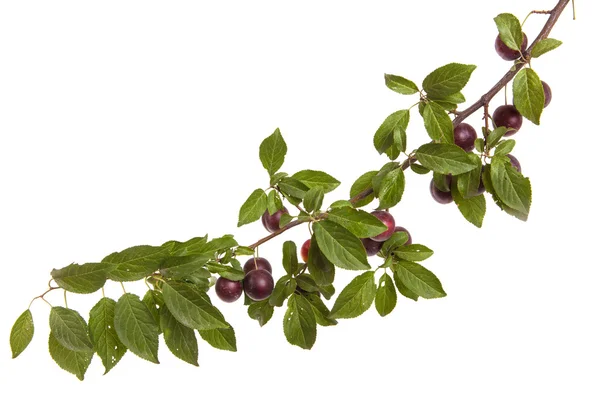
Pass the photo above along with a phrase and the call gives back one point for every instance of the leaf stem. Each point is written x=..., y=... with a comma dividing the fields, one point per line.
x=42, y=296
x=65, y=296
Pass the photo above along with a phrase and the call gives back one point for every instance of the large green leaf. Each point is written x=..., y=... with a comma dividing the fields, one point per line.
x=384, y=136
x=510, y=186
x=272, y=152
x=340, y=246
x=135, y=263
x=21, y=333
x=290, y=257
x=70, y=329
x=472, y=208
x=299, y=323
x=185, y=267
x=359, y=222
x=320, y=310
x=85, y=278
x=404, y=291
x=321, y=269
x=75, y=362
x=385, y=297
x=220, y=338
x=253, y=208
x=102, y=331
x=136, y=327
x=356, y=297
x=510, y=31
x=180, y=340
x=313, y=199
x=419, y=280
x=444, y=158
x=528, y=95
x=191, y=307
x=400, y=84
x=314, y=178
x=391, y=189
x=468, y=183
x=437, y=123
x=447, y=80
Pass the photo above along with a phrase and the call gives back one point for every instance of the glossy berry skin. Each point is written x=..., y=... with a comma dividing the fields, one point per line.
x=388, y=221
x=515, y=163
x=547, y=93
x=304, y=250
x=439, y=196
x=465, y=136
x=508, y=116
x=257, y=263
x=402, y=229
x=371, y=247
x=271, y=222
x=509, y=54
x=258, y=284
x=228, y=290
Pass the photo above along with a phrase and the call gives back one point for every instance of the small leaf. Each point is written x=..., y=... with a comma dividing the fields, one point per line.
x=341, y=204
x=444, y=158
x=438, y=124
x=340, y=246
x=306, y=283
x=228, y=272
x=361, y=184
x=468, y=183
x=253, y=208
x=384, y=136
x=135, y=263
x=241, y=250
x=283, y=289
x=136, y=327
x=320, y=310
x=293, y=187
x=419, y=169
x=272, y=152
x=510, y=30
x=314, y=199
x=528, y=95
x=543, y=46
x=394, y=242
x=413, y=252
x=220, y=338
x=260, y=311
x=85, y=278
x=378, y=179
x=290, y=257
x=102, y=331
x=75, y=362
x=404, y=291
x=359, y=222
x=447, y=80
x=70, y=329
x=277, y=177
x=419, y=280
x=21, y=333
x=510, y=186
x=505, y=147
x=180, y=340
x=472, y=208
x=400, y=84
x=391, y=190
x=192, y=307
x=321, y=269
x=184, y=267
x=299, y=323
x=314, y=178
x=479, y=145
x=385, y=297
x=356, y=298
x=495, y=136
x=441, y=182
x=273, y=202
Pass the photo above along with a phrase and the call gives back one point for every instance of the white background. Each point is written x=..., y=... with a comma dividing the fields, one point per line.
x=126, y=123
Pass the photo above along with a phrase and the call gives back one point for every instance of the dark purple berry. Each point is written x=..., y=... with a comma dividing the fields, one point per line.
x=440, y=196
x=258, y=284
x=509, y=54
x=547, y=93
x=228, y=290
x=257, y=263
x=402, y=229
x=271, y=222
x=465, y=136
x=388, y=221
x=371, y=247
x=508, y=116
x=515, y=163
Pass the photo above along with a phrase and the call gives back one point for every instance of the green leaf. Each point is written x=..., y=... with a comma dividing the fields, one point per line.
x=136, y=327
x=260, y=311
x=472, y=208
x=361, y=184
x=543, y=46
x=397, y=240
x=285, y=219
x=419, y=280
x=510, y=30
x=384, y=136
x=341, y=204
x=479, y=145
x=413, y=252
x=102, y=332
x=505, y=147
x=378, y=179
x=320, y=310
x=385, y=297
x=75, y=362
x=153, y=299
x=299, y=323
x=314, y=199
x=444, y=158
x=220, y=338
x=192, y=307
x=510, y=186
x=180, y=340
x=313, y=178
x=468, y=183
x=228, y=272
x=359, y=222
x=70, y=329
x=400, y=84
x=184, y=267
x=306, y=283
x=419, y=169
x=290, y=257
x=399, y=144
x=447, y=80
x=528, y=95
x=276, y=178
x=253, y=208
x=292, y=187
x=438, y=124
x=21, y=333
x=441, y=182
x=391, y=189
x=272, y=152
x=340, y=246
x=321, y=269
x=283, y=289
x=273, y=202
x=455, y=98
x=85, y=278
x=356, y=297
x=177, y=248
x=495, y=136
x=242, y=250
x=216, y=245
x=404, y=291
x=135, y=263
